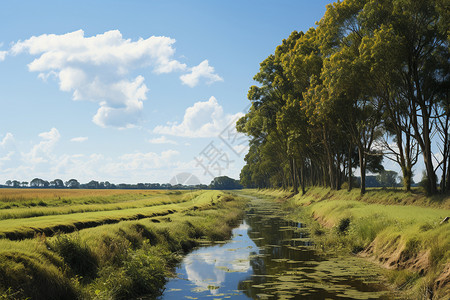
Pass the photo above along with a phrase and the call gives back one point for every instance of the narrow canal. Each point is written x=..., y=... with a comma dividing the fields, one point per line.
x=269, y=257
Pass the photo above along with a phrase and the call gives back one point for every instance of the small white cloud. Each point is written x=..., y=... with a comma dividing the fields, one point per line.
x=42, y=152
x=162, y=140
x=202, y=70
x=52, y=135
x=7, y=139
x=44, y=76
x=79, y=139
x=142, y=161
x=7, y=157
x=203, y=119
x=2, y=53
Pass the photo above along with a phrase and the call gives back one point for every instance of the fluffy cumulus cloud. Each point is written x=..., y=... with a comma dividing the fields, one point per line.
x=203, y=119
x=203, y=70
x=162, y=140
x=97, y=69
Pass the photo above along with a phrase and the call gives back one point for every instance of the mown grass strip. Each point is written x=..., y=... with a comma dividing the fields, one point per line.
x=26, y=228
x=10, y=198
x=18, y=213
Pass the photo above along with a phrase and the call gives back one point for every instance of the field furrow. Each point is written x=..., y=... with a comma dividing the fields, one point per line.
x=23, y=224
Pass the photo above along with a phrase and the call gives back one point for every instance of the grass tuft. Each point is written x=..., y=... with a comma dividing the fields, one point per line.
x=76, y=255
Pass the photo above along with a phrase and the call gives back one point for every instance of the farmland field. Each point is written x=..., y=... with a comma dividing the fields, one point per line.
x=102, y=243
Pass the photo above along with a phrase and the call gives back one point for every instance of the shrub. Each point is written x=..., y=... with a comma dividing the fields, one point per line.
x=147, y=271
x=343, y=225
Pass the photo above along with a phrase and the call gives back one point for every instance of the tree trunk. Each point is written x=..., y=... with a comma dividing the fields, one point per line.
x=362, y=167
x=448, y=174
x=338, y=172
x=445, y=154
x=350, y=167
x=427, y=155
x=431, y=176
x=324, y=176
x=302, y=178
x=329, y=160
x=294, y=177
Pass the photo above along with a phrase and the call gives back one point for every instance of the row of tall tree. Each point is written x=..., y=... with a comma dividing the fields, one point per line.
x=218, y=183
x=371, y=81
x=93, y=184
x=57, y=183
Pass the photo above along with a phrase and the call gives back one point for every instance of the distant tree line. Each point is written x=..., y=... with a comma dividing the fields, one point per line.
x=371, y=81
x=219, y=183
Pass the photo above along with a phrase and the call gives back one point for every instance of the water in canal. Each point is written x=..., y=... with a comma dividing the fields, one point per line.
x=269, y=257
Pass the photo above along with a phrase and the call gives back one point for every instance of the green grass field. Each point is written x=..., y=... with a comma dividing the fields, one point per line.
x=18, y=223
x=85, y=244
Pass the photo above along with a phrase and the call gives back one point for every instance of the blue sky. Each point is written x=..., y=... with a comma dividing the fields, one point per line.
x=132, y=91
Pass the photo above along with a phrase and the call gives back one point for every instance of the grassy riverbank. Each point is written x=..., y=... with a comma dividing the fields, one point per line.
x=398, y=230
x=124, y=252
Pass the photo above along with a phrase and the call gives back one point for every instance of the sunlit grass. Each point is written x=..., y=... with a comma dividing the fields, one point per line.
x=121, y=260
x=57, y=197
x=26, y=227
x=24, y=212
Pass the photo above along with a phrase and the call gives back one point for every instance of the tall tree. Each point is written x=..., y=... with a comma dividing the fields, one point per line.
x=72, y=184
x=417, y=29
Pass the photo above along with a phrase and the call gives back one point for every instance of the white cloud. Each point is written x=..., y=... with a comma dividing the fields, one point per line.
x=129, y=167
x=8, y=153
x=52, y=135
x=162, y=140
x=79, y=139
x=203, y=119
x=42, y=152
x=7, y=139
x=7, y=157
x=202, y=70
x=2, y=53
x=42, y=160
x=95, y=69
x=139, y=161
